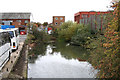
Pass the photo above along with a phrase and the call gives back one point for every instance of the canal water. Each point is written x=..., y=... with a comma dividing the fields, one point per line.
x=60, y=60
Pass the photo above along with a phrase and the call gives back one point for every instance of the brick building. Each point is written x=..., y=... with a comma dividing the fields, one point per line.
x=58, y=20
x=95, y=19
x=18, y=19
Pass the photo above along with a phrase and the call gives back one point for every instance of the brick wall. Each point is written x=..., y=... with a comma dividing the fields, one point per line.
x=94, y=19
x=58, y=20
x=17, y=23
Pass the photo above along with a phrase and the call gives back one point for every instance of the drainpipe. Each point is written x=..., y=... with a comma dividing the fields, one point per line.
x=95, y=22
x=101, y=22
x=91, y=22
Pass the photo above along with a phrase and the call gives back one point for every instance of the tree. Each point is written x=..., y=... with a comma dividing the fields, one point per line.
x=39, y=24
x=110, y=63
x=45, y=23
x=106, y=57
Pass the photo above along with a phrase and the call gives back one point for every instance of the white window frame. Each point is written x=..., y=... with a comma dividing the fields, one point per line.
x=61, y=23
x=18, y=21
x=56, y=18
x=56, y=23
x=26, y=21
x=61, y=18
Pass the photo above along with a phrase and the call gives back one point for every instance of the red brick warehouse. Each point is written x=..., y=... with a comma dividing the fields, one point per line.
x=95, y=19
x=19, y=20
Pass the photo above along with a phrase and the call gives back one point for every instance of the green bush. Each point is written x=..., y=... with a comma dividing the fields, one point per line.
x=82, y=35
x=67, y=30
x=40, y=36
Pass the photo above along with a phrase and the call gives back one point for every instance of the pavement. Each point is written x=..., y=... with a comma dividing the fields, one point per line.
x=22, y=38
x=13, y=59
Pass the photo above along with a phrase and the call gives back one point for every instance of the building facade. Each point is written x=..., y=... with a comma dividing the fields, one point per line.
x=19, y=20
x=95, y=19
x=58, y=20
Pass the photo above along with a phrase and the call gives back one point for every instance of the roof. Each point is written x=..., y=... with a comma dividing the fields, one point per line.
x=58, y=16
x=91, y=12
x=15, y=15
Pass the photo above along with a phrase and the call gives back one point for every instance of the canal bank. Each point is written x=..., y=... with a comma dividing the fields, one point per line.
x=20, y=68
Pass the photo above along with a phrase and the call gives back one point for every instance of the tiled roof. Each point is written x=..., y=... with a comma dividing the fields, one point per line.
x=15, y=15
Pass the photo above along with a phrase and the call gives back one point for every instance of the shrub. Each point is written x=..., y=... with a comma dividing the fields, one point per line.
x=82, y=35
x=40, y=36
x=67, y=30
x=106, y=57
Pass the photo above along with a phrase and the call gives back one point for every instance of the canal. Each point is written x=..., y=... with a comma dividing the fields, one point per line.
x=60, y=60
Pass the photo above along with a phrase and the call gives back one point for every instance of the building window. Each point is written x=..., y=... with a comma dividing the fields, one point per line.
x=10, y=23
x=26, y=21
x=56, y=23
x=56, y=18
x=61, y=18
x=2, y=23
x=61, y=23
x=18, y=20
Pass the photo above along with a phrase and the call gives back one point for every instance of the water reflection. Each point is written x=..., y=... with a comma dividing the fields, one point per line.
x=39, y=49
x=70, y=52
x=60, y=61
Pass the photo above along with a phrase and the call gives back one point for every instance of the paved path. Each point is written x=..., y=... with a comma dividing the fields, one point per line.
x=23, y=38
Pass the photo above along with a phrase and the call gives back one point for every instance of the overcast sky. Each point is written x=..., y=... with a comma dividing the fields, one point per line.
x=43, y=10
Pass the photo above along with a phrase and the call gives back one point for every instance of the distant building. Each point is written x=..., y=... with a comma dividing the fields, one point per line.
x=95, y=19
x=58, y=20
x=18, y=19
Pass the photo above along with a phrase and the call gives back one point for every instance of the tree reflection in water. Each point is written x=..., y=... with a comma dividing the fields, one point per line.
x=38, y=50
x=69, y=51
